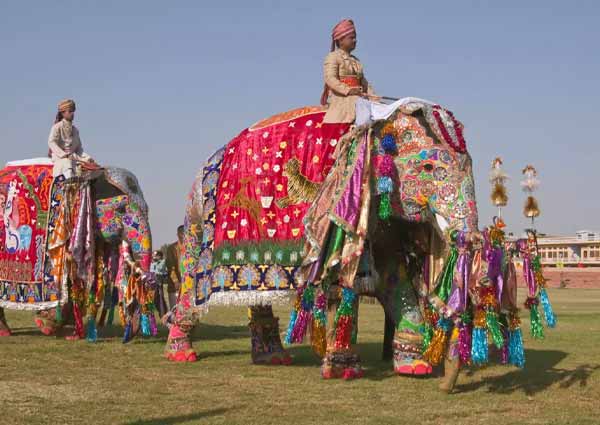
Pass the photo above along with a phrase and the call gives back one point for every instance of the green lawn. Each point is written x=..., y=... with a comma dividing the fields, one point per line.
x=50, y=380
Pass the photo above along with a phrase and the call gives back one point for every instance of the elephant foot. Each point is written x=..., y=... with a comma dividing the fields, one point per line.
x=179, y=347
x=273, y=359
x=46, y=322
x=267, y=348
x=341, y=365
x=415, y=367
x=74, y=337
x=408, y=359
x=451, y=369
x=4, y=329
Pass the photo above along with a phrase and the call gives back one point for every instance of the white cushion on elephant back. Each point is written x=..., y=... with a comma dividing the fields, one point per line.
x=31, y=161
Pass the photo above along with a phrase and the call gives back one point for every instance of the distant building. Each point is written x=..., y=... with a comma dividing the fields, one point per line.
x=583, y=249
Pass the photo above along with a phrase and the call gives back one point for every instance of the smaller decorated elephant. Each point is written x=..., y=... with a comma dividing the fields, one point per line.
x=87, y=251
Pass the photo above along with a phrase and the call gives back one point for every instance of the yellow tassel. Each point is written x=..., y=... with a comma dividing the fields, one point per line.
x=531, y=207
x=499, y=196
x=437, y=347
x=121, y=314
x=479, y=321
x=389, y=129
x=318, y=339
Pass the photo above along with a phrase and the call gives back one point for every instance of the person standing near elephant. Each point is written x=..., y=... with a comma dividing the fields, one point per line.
x=173, y=262
x=65, y=145
x=345, y=81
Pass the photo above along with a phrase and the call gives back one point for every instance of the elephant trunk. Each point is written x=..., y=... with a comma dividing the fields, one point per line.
x=136, y=231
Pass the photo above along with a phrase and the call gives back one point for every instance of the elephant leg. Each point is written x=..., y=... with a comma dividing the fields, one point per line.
x=4, y=329
x=388, y=338
x=265, y=338
x=181, y=322
x=451, y=364
x=408, y=338
x=340, y=361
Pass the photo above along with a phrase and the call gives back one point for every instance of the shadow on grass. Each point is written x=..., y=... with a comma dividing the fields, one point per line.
x=173, y=420
x=540, y=372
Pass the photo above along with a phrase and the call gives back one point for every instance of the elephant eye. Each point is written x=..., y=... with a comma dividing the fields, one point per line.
x=428, y=167
x=131, y=184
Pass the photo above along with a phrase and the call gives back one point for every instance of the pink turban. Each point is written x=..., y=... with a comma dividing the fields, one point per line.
x=342, y=29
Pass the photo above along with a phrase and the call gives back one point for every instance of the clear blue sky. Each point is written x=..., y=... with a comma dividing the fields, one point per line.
x=161, y=85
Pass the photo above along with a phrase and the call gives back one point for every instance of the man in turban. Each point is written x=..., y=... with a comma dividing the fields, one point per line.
x=65, y=146
x=344, y=78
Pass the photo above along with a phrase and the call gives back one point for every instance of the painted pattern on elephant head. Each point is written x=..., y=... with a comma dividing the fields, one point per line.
x=433, y=177
x=126, y=216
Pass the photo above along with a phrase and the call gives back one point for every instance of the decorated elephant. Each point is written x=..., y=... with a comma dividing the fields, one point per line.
x=70, y=249
x=330, y=212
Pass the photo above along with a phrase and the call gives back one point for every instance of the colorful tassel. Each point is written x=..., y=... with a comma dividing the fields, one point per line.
x=479, y=347
x=388, y=143
x=127, y=333
x=494, y=327
x=385, y=185
x=437, y=346
x=444, y=285
x=464, y=343
x=145, y=324
x=319, y=325
x=294, y=315
x=537, y=330
x=92, y=331
x=344, y=318
x=291, y=325
x=516, y=353
x=153, y=327
x=79, y=331
x=548, y=311
x=58, y=314
x=385, y=207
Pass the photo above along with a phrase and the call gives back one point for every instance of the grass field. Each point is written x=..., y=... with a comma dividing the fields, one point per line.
x=49, y=380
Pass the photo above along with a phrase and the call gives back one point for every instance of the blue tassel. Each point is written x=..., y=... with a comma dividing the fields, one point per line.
x=92, y=330
x=127, y=334
x=290, y=329
x=145, y=325
x=388, y=143
x=479, y=346
x=385, y=185
x=516, y=354
x=548, y=312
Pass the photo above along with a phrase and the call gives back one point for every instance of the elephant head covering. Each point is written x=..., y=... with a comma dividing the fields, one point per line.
x=66, y=105
x=341, y=30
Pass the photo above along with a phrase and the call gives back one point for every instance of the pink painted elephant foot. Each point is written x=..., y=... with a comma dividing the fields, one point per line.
x=416, y=368
x=341, y=365
x=4, y=329
x=46, y=322
x=179, y=346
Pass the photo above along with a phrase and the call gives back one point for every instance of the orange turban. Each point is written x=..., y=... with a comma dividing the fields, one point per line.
x=66, y=105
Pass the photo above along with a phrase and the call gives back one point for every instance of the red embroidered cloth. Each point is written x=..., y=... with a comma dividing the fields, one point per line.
x=24, y=194
x=269, y=176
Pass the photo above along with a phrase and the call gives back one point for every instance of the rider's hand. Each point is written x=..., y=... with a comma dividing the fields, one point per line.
x=355, y=91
